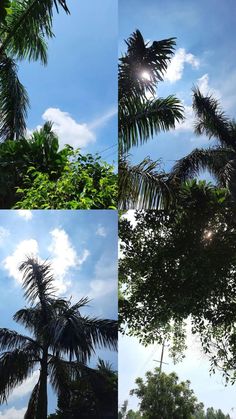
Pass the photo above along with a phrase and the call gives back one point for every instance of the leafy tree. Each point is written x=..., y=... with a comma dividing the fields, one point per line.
x=141, y=117
x=162, y=395
x=220, y=159
x=95, y=398
x=35, y=173
x=25, y=26
x=61, y=345
x=181, y=263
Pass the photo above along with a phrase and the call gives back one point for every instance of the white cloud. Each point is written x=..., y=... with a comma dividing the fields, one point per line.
x=26, y=214
x=64, y=257
x=205, y=88
x=23, y=249
x=25, y=388
x=176, y=67
x=101, y=231
x=69, y=131
x=105, y=279
x=4, y=233
x=13, y=413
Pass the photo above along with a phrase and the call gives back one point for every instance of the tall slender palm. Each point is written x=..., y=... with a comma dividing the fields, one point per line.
x=63, y=340
x=142, y=115
x=23, y=35
x=220, y=159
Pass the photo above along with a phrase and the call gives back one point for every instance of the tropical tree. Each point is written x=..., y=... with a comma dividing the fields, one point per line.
x=36, y=173
x=61, y=344
x=220, y=159
x=141, y=116
x=24, y=31
x=163, y=395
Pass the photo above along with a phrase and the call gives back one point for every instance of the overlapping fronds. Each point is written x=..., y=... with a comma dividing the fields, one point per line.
x=143, y=58
x=26, y=28
x=78, y=336
x=9, y=339
x=15, y=367
x=143, y=185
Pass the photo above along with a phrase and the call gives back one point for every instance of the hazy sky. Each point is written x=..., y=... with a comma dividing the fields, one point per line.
x=77, y=90
x=82, y=247
x=205, y=56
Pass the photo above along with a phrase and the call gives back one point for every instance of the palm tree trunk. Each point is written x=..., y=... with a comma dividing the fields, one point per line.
x=42, y=405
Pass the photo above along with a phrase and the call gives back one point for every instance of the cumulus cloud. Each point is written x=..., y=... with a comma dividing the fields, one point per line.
x=69, y=131
x=101, y=231
x=12, y=262
x=64, y=257
x=176, y=67
x=25, y=388
x=26, y=214
x=13, y=413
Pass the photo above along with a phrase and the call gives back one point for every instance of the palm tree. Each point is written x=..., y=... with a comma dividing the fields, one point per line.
x=61, y=345
x=141, y=116
x=220, y=159
x=23, y=35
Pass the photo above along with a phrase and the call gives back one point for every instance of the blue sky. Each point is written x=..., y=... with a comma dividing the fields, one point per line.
x=82, y=248
x=205, y=55
x=80, y=78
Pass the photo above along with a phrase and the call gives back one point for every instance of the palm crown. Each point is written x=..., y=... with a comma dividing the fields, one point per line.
x=142, y=115
x=61, y=345
x=220, y=159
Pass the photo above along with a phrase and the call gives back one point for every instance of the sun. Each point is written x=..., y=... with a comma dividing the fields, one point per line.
x=145, y=75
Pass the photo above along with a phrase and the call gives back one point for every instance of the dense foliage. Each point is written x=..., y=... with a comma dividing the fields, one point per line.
x=35, y=173
x=95, y=398
x=180, y=264
x=61, y=344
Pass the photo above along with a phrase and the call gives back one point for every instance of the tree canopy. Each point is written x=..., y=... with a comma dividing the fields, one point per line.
x=180, y=264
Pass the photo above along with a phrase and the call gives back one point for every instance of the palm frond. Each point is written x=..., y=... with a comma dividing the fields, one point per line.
x=15, y=367
x=211, y=120
x=37, y=280
x=78, y=336
x=140, y=119
x=142, y=57
x=143, y=185
x=13, y=101
x=9, y=339
x=215, y=160
x=26, y=27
